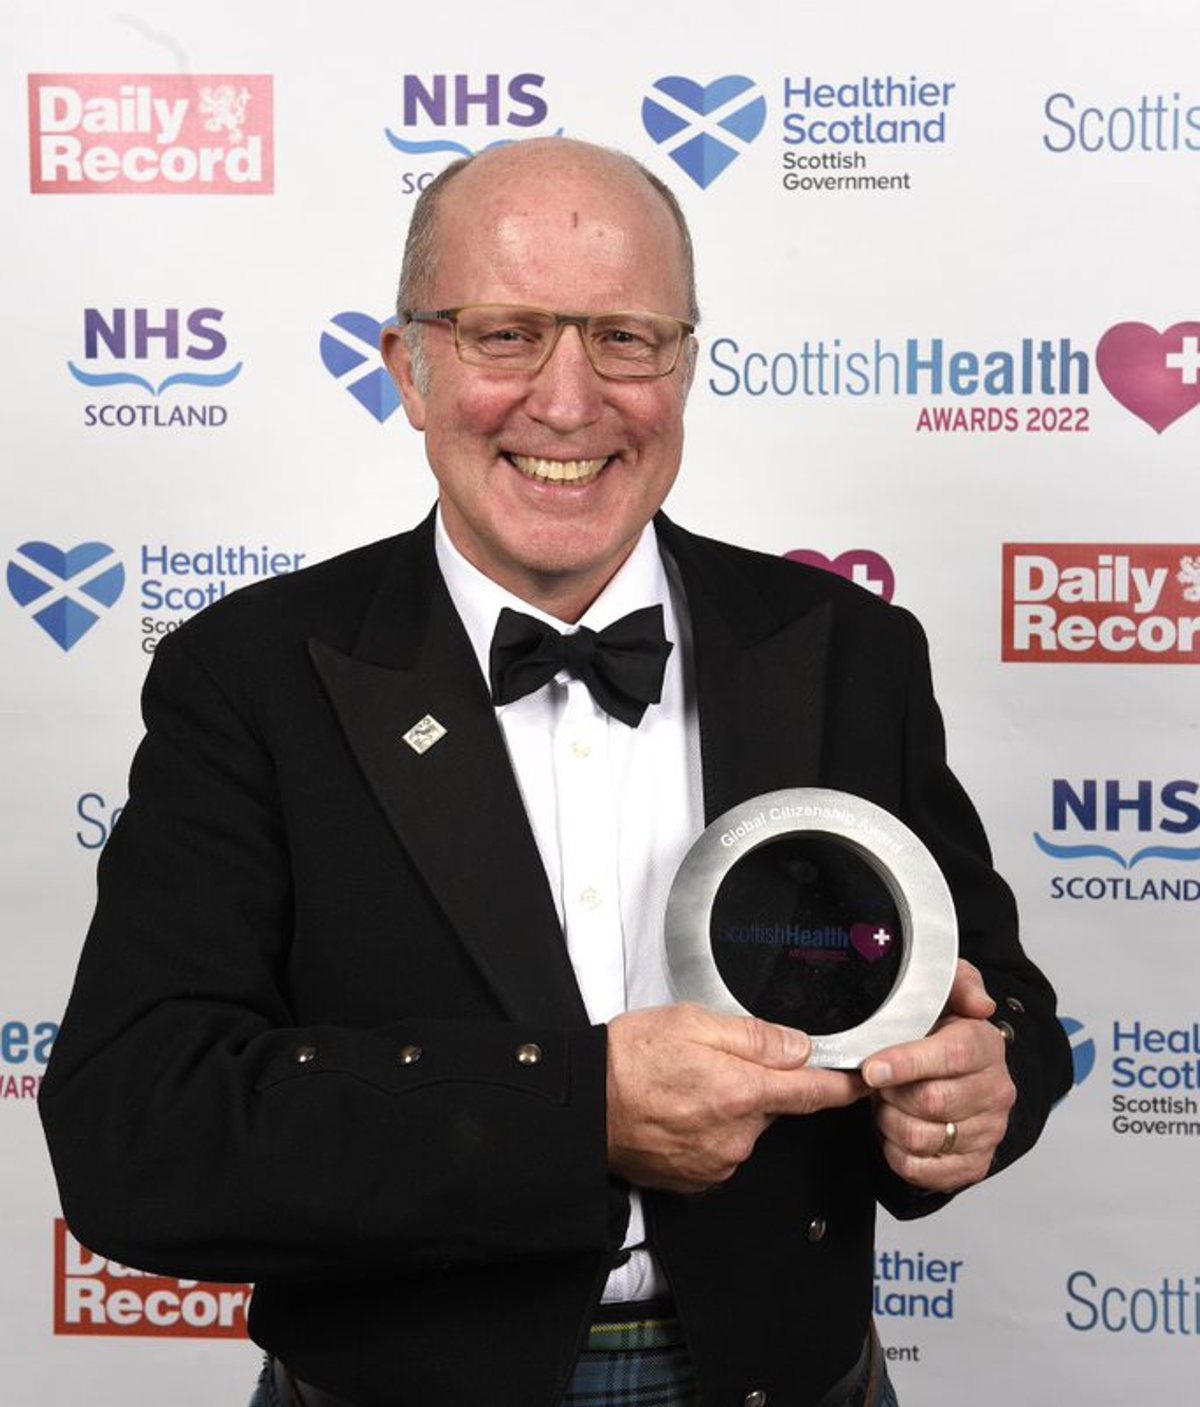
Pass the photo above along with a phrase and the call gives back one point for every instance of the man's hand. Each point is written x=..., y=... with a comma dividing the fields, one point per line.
x=957, y=1075
x=689, y=1092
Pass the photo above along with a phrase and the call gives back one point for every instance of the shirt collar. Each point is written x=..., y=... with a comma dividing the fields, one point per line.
x=641, y=580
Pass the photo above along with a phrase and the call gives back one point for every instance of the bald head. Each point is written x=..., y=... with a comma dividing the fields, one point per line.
x=479, y=190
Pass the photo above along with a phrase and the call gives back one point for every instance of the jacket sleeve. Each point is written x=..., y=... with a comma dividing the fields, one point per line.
x=196, y=1129
x=937, y=808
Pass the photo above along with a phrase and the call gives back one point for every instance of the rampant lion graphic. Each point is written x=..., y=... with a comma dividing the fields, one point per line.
x=1188, y=577
x=224, y=110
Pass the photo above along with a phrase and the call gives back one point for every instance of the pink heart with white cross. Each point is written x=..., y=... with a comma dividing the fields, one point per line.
x=1156, y=375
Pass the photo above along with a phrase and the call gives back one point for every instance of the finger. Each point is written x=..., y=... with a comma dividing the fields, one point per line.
x=968, y=995
x=942, y=1101
x=927, y=1138
x=748, y=1038
x=957, y=1048
x=810, y=1091
x=938, y=1174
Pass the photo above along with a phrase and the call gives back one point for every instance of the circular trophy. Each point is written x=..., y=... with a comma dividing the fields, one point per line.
x=815, y=909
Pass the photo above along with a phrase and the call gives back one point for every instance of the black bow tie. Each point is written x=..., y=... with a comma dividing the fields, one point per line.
x=622, y=665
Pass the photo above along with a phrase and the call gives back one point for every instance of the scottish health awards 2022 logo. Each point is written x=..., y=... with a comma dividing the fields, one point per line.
x=445, y=116
x=350, y=354
x=154, y=368
x=65, y=592
x=864, y=567
x=830, y=129
x=25, y=1048
x=150, y=134
x=1130, y=840
x=1031, y=385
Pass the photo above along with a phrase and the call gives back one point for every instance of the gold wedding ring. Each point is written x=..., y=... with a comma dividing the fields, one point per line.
x=948, y=1142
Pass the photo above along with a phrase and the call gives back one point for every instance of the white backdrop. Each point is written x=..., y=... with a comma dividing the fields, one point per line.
x=949, y=321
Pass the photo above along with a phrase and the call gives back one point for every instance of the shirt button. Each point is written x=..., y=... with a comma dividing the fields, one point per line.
x=1014, y=1004
x=1006, y=1030
x=581, y=749
x=530, y=1053
x=816, y=1228
x=410, y=1054
x=757, y=1398
x=305, y=1054
x=590, y=898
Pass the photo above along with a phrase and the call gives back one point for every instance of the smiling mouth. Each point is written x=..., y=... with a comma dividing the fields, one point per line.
x=558, y=471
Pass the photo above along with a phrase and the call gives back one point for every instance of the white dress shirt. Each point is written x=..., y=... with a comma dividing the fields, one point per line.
x=613, y=809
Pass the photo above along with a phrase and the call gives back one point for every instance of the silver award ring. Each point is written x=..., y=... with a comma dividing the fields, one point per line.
x=917, y=887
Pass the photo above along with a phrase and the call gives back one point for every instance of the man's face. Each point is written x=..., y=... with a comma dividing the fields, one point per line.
x=549, y=231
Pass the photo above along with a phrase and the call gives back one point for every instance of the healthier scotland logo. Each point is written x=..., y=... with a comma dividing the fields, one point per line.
x=65, y=592
x=350, y=354
x=704, y=127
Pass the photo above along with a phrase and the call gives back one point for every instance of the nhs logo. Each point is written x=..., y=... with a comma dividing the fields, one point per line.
x=1123, y=822
x=460, y=99
x=507, y=108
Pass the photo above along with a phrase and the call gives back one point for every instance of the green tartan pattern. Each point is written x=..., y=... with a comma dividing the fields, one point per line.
x=644, y=1363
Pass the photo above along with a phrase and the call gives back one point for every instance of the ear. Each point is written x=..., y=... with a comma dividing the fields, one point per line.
x=397, y=357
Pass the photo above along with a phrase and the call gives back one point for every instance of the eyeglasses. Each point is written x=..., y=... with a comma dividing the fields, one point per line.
x=620, y=346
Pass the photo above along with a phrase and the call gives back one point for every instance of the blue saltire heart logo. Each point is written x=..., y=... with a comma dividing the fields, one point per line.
x=713, y=123
x=353, y=346
x=42, y=575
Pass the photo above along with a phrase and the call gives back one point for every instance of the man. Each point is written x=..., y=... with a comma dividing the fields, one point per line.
x=374, y=1009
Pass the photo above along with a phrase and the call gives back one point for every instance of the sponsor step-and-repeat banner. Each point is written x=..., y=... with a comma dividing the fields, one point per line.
x=950, y=350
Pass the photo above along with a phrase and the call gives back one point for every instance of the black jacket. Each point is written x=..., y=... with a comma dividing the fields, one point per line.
x=292, y=895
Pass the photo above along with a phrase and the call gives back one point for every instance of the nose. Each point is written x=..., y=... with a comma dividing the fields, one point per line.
x=566, y=394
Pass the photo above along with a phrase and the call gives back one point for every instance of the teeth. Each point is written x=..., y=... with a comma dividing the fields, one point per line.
x=567, y=471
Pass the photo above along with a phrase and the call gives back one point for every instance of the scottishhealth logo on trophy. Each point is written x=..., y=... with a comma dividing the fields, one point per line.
x=815, y=909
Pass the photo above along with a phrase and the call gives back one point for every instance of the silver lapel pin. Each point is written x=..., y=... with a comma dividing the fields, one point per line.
x=424, y=733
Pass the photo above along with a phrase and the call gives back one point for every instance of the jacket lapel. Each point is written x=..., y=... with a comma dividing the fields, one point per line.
x=760, y=675
x=455, y=807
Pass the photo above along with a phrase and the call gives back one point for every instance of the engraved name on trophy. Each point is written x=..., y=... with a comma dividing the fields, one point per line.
x=815, y=909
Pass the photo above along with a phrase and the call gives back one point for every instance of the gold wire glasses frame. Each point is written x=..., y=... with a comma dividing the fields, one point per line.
x=619, y=346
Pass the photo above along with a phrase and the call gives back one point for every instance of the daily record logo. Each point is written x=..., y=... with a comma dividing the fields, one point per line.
x=1033, y=385
x=25, y=1047
x=1151, y=1073
x=1123, y=839
x=864, y=567
x=65, y=592
x=1101, y=603
x=444, y=116
x=350, y=354
x=97, y=1296
x=829, y=128
x=178, y=357
x=150, y=134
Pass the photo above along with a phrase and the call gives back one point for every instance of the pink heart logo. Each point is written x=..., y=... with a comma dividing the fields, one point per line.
x=1156, y=375
x=859, y=565
x=871, y=941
